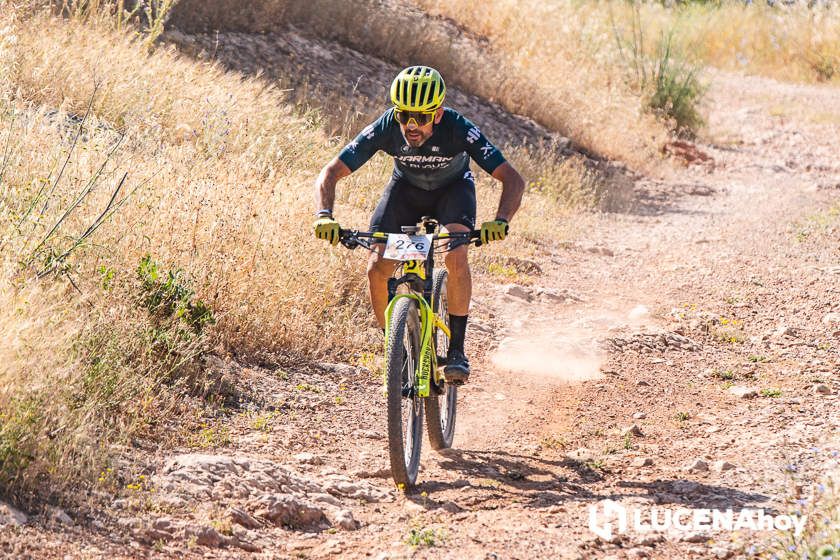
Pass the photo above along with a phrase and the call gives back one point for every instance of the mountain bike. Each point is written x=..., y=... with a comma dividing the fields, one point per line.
x=416, y=341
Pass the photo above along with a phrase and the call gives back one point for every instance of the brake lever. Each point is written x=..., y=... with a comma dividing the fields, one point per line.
x=350, y=242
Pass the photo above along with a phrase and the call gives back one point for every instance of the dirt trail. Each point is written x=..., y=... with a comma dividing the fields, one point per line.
x=725, y=244
x=722, y=248
x=629, y=349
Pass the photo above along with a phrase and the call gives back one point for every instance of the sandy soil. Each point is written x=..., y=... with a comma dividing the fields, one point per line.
x=613, y=373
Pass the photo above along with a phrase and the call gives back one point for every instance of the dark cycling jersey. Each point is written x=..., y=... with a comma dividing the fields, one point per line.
x=444, y=157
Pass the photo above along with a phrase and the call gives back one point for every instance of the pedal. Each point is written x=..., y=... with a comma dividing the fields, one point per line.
x=455, y=378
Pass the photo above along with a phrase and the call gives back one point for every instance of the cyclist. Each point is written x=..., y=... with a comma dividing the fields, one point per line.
x=431, y=146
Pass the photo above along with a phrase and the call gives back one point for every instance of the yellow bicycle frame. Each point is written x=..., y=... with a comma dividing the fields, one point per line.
x=427, y=364
x=415, y=267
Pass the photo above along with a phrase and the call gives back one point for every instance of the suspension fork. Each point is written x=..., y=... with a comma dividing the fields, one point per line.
x=428, y=358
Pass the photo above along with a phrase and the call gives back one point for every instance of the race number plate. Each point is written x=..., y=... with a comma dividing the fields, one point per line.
x=403, y=247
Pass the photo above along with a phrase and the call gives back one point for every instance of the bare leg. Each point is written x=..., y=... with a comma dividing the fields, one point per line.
x=459, y=285
x=379, y=270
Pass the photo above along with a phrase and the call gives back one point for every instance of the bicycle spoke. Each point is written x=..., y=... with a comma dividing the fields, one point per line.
x=407, y=411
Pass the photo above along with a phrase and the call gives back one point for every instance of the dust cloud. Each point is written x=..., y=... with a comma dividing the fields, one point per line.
x=551, y=357
x=566, y=352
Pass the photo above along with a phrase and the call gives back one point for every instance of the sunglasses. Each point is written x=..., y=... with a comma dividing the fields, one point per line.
x=420, y=118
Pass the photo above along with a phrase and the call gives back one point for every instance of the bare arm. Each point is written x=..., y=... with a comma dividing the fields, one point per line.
x=326, y=181
x=512, y=188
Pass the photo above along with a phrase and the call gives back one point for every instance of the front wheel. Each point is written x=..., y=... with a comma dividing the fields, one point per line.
x=405, y=407
x=441, y=404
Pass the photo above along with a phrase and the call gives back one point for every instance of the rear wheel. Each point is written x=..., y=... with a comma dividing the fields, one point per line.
x=441, y=404
x=405, y=407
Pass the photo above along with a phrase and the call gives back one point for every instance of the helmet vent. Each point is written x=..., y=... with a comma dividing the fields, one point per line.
x=418, y=88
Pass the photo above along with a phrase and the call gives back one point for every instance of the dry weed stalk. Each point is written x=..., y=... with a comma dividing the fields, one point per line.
x=220, y=170
x=528, y=66
x=792, y=41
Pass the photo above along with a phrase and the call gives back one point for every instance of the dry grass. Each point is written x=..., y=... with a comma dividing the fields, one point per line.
x=78, y=377
x=557, y=63
x=208, y=172
x=792, y=42
x=550, y=211
x=224, y=170
x=573, y=47
x=529, y=66
x=219, y=182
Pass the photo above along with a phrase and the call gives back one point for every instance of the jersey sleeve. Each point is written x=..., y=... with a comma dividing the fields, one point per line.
x=369, y=141
x=480, y=149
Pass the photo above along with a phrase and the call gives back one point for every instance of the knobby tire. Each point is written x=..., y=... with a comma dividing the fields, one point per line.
x=441, y=404
x=403, y=354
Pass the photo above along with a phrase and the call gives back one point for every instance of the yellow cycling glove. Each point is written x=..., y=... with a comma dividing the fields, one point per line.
x=326, y=228
x=494, y=231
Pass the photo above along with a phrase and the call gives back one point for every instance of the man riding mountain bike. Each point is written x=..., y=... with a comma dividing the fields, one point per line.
x=431, y=146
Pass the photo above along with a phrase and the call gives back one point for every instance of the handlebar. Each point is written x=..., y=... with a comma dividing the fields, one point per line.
x=352, y=238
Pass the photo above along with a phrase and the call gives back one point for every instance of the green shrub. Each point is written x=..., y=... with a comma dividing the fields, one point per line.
x=424, y=536
x=667, y=82
x=167, y=295
x=117, y=375
x=674, y=91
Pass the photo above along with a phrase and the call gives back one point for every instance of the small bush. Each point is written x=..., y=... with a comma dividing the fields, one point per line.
x=424, y=536
x=668, y=84
x=70, y=388
x=167, y=295
x=825, y=66
x=675, y=91
x=730, y=333
x=725, y=374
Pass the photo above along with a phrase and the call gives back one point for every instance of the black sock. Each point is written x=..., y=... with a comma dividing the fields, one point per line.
x=457, y=329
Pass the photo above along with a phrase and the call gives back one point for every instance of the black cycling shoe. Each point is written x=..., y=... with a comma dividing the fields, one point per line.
x=457, y=368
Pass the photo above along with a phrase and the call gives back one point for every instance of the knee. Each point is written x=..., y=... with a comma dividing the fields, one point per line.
x=456, y=261
x=377, y=268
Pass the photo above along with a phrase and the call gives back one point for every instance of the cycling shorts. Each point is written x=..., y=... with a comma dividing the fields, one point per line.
x=403, y=204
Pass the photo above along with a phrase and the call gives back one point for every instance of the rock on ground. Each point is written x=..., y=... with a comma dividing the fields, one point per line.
x=10, y=516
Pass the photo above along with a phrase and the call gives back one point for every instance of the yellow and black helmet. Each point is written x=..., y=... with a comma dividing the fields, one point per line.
x=418, y=88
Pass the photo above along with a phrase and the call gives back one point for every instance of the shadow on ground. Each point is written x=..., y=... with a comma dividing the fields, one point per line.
x=539, y=483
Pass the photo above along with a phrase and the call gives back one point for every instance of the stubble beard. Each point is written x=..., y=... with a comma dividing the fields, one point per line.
x=416, y=143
